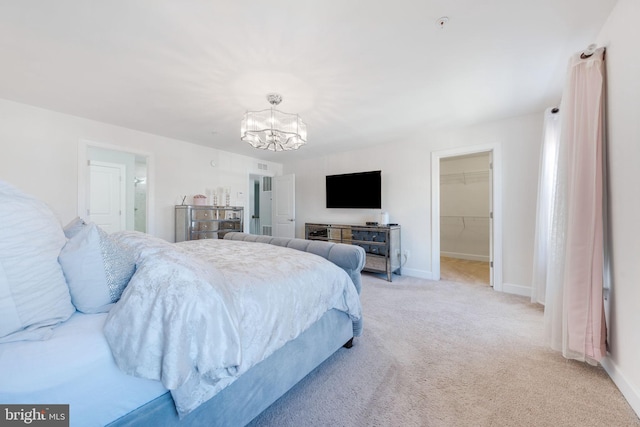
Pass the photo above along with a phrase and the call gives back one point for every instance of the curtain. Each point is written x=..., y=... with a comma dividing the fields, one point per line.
x=574, y=306
x=546, y=194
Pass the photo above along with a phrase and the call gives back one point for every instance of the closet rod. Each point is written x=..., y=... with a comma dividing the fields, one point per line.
x=465, y=216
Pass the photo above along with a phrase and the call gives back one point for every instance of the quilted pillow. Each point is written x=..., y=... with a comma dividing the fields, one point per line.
x=97, y=268
x=33, y=293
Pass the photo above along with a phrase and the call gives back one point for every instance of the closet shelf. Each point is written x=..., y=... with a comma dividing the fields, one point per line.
x=464, y=177
x=465, y=220
x=465, y=216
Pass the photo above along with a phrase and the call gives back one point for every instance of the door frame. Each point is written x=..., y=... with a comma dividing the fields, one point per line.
x=496, y=206
x=83, y=177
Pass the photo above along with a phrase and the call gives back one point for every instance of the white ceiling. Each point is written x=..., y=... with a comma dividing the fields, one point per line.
x=358, y=72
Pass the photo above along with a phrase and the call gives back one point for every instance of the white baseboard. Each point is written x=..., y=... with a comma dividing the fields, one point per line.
x=470, y=257
x=510, y=288
x=414, y=272
x=628, y=390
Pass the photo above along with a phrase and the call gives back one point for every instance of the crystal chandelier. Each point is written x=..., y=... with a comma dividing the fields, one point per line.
x=272, y=129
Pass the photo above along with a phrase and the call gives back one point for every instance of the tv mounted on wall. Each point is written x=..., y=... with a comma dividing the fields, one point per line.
x=361, y=190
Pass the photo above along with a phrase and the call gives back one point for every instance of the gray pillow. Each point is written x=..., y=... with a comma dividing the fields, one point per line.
x=74, y=227
x=97, y=269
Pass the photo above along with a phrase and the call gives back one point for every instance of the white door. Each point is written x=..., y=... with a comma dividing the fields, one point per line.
x=107, y=195
x=284, y=206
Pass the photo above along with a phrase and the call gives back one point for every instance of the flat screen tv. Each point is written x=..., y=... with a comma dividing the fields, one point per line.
x=361, y=190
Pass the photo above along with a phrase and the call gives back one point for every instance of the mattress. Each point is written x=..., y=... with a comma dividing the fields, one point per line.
x=74, y=367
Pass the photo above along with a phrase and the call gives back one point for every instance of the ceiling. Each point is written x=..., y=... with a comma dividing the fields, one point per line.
x=358, y=72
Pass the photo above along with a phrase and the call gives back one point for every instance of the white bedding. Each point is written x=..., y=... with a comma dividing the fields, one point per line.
x=73, y=367
x=206, y=311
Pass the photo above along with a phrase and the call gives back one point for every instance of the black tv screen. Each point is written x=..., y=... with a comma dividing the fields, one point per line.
x=361, y=190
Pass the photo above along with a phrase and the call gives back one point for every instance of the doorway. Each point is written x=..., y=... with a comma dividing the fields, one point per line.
x=96, y=188
x=441, y=220
x=260, y=205
x=465, y=241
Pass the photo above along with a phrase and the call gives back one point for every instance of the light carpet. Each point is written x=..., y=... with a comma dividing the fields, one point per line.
x=449, y=354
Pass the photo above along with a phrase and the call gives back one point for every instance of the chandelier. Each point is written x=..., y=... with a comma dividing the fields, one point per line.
x=272, y=129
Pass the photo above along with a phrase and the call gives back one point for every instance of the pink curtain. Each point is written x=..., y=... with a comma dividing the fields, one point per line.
x=574, y=310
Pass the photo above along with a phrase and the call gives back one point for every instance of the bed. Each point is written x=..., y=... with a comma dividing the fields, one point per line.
x=122, y=327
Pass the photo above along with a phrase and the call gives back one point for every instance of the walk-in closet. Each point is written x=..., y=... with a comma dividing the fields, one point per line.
x=465, y=227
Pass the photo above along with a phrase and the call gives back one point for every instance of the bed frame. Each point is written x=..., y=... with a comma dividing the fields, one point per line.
x=256, y=389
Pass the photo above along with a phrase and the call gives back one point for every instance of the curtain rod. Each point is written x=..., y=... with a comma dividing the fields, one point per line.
x=590, y=50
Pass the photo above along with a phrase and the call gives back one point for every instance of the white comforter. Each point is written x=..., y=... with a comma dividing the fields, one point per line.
x=196, y=315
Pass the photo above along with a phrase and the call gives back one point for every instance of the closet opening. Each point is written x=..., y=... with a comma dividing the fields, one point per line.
x=466, y=220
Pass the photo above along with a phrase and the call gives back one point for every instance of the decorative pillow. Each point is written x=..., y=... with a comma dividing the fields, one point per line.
x=74, y=227
x=33, y=293
x=97, y=269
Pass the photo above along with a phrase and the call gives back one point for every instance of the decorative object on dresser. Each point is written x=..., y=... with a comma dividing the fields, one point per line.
x=207, y=222
x=199, y=200
x=380, y=242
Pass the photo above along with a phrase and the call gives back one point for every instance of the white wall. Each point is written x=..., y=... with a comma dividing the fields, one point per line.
x=620, y=35
x=39, y=154
x=406, y=191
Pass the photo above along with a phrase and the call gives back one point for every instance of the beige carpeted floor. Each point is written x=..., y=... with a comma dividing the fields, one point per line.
x=449, y=354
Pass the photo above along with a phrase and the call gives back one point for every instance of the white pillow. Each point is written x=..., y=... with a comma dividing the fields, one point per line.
x=33, y=293
x=97, y=269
